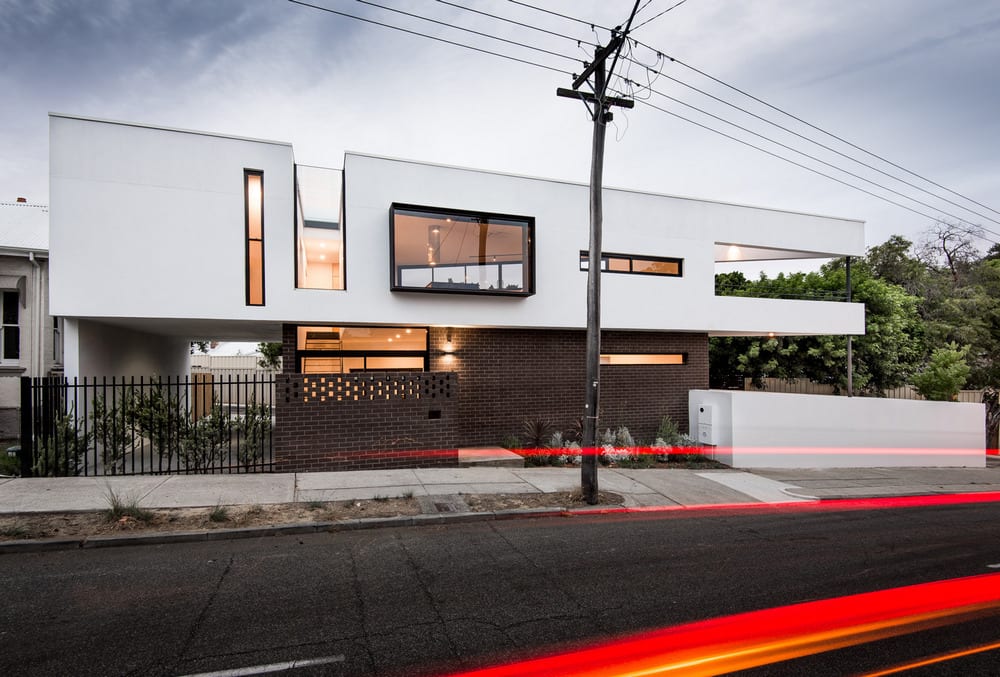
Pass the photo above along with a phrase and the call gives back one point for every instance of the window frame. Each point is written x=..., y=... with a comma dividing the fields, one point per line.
x=631, y=258
x=528, y=267
x=6, y=294
x=247, y=173
x=425, y=354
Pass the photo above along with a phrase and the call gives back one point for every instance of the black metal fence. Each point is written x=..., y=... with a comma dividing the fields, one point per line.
x=198, y=424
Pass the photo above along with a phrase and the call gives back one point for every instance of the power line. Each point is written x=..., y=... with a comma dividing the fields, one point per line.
x=431, y=37
x=466, y=30
x=518, y=23
x=561, y=16
x=819, y=129
x=786, y=113
x=674, y=6
x=653, y=91
x=824, y=162
x=815, y=142
x=813, y=170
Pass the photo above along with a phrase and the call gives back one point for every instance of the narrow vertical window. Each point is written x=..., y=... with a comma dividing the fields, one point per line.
x=253, y=183
x=10, y=334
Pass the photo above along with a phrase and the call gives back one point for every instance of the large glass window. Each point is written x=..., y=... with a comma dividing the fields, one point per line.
x=636, y=264
x=319, y=232
x=342, y=350
x=253, y=188
x=10, y=332
x=461, y=252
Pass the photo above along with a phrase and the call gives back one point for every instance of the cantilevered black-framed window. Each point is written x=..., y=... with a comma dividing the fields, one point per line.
x=458, y=251
x=347, y=349
x=253, y=201
x=636, y=264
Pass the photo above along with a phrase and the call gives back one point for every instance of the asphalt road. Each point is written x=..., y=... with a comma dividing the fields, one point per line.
x=428, y=600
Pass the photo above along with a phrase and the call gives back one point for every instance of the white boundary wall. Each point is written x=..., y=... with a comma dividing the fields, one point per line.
x=778, y=430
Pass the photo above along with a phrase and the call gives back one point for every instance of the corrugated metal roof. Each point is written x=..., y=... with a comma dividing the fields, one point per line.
x=24, y=226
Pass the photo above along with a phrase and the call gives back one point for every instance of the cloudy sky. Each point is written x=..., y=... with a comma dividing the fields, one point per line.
x=915, y=81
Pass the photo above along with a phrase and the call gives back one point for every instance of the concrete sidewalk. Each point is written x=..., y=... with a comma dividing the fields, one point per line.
x=656, y=487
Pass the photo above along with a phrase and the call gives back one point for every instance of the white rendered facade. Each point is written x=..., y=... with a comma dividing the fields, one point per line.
x=148, y=239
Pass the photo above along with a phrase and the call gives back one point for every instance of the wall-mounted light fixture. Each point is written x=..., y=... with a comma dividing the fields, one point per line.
x=449, y=345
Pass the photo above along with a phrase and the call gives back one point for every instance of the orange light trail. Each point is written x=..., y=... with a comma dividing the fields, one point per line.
x=941, y=658
x=757, y=638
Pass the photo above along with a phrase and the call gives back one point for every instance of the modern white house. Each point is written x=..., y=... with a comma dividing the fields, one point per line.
x=420, y=306
x=30, y=339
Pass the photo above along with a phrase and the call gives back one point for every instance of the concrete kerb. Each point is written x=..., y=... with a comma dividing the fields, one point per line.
x=165, y=538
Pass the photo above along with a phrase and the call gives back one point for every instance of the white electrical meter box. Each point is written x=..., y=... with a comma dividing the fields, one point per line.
x=706, y=431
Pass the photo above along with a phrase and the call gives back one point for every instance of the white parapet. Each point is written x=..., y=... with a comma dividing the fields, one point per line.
x=779, y=430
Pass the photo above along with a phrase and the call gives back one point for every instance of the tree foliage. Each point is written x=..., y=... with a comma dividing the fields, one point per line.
x=944, y=375
x=917, y=300
x=270, y=355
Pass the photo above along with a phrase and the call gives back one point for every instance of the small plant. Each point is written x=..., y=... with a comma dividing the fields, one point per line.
x=536, y=431
x=219, y=513
x=61, y=454
x=125, y=507
x=668, y=432
x=380, y=498
x=510, y=442
x=114, y=432
x=14, y=531
x=255, y=427
x=407, y=494
x=314, y=505
x=617, y=446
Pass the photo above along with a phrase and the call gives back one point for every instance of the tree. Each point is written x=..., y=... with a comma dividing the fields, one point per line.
x=891, y=261
x=951, y=245
x=270, y=355
x=889, y=352
x=945, y=374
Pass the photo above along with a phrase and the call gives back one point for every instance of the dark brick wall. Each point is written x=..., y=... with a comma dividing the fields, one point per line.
x=289, y=339
x=365, y=421
x=512, y=375
x=498, y=379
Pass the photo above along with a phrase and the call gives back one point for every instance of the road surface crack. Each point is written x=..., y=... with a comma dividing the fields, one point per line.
x=425, y=588
x=199, y=621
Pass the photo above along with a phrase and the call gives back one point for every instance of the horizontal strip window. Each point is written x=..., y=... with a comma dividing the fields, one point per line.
x=461, y=252
x=643, y=358
x=634, y=264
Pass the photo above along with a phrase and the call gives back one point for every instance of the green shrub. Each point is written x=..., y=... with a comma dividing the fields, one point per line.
x=945, y=374
x=62, y=453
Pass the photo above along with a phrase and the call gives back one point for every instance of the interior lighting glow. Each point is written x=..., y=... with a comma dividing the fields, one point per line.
x=733, y=253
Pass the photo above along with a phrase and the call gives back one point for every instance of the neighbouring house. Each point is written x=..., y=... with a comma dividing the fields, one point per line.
x=420, y=306
x=30, y=339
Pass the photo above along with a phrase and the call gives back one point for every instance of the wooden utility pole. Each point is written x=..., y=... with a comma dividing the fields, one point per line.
x=601, y=114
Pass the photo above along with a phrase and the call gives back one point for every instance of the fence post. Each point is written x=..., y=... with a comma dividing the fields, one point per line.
x=27, y=427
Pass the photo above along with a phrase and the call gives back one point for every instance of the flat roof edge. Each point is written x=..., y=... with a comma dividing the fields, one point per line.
x=163, y=128
x=567, y=182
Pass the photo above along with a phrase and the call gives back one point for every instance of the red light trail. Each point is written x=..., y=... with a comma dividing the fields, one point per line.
x=757, y=638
